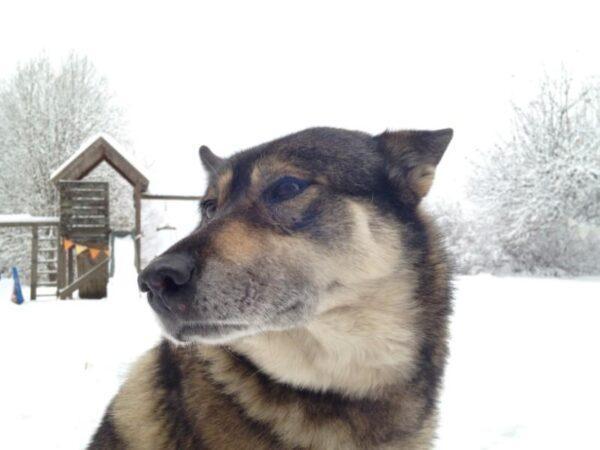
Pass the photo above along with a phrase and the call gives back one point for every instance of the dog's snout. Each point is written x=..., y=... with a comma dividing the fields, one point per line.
x=167, y=273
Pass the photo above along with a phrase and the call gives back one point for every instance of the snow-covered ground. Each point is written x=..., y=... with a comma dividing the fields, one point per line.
x=62, y=361
x=524, y=371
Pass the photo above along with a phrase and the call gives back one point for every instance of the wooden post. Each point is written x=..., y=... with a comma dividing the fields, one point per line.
x=111, y=249
x=61, y=275
x=34, y=261
x=137, y=199
x=59, y=261
x=67, y=291
x=93, y=287
x=70, y=268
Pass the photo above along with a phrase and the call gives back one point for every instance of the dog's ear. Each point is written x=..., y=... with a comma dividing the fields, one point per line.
x=210, y=161
x=411, y=157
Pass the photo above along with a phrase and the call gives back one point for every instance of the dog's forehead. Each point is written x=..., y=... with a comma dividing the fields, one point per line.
x=328, y=152
x=314, y=149
x=332, y=138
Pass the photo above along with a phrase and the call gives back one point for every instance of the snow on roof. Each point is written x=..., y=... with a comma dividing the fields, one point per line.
x=83, y=147
x=25, y=218
x=126, y=158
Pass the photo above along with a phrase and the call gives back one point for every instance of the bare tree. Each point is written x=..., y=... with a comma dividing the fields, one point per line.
x=537, y=195
x=46, y=113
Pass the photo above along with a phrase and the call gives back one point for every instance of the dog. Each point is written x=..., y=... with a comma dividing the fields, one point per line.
x=308, y=310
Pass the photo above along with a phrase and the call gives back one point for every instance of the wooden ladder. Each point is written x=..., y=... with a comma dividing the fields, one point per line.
x=44, y=259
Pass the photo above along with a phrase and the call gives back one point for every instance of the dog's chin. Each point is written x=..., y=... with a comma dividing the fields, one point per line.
x=206, y=333
x=185, y=327
x=214, y=333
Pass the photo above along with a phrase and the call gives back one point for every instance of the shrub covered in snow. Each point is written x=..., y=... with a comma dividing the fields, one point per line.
x=537, y=195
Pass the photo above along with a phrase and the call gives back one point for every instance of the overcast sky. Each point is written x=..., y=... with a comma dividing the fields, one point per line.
x=231, y=75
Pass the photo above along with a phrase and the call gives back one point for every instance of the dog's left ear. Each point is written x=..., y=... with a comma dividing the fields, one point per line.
x=210, y=161
x=411, y=157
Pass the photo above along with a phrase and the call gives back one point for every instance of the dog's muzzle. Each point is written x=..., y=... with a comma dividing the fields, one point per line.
x=168, y=280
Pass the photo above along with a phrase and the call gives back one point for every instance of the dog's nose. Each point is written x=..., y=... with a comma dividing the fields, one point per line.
x=166, y=274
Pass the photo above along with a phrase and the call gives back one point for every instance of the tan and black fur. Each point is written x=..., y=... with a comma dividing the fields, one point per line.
x=308, y=310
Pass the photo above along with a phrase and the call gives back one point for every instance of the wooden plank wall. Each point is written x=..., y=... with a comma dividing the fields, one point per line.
x=84, y=211
x=85, y=220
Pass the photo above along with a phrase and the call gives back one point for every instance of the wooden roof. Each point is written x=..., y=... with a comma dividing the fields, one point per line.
x=91, y=154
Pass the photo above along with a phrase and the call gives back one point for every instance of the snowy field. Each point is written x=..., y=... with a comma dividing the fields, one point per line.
x=524, y=371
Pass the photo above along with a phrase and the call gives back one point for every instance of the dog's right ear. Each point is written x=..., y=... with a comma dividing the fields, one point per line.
x=411, y=157
x=210, y=161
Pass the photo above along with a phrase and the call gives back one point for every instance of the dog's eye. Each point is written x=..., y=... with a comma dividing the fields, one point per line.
x=209, y=208
x=286, y=188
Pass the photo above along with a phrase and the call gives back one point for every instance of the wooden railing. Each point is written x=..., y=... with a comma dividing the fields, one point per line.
x=25, y=220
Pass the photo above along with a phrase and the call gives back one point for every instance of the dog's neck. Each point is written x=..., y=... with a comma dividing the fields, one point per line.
x=362, y=339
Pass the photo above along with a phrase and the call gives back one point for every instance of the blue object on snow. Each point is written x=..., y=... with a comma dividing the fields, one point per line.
x=17, y=294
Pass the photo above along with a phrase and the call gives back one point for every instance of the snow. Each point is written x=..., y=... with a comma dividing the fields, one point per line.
x=88, y=143
x=524, y=368
x=18, y=218
x=523, y=372
x=64, y=360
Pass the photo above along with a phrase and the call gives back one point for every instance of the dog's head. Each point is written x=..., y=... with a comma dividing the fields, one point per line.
x=288, y=224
